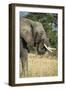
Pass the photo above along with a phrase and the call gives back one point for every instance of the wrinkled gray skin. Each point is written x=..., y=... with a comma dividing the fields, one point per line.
x=31, y=33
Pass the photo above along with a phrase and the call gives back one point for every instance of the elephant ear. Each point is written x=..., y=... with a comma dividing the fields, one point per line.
x=37, y=31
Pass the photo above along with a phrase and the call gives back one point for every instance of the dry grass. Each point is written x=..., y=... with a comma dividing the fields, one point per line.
x=42, y=65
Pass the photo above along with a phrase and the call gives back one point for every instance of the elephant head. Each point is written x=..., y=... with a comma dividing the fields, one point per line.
x=34, y=34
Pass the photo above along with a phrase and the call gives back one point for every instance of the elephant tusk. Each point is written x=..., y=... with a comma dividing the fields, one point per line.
x=54, y=49
x=48, y=48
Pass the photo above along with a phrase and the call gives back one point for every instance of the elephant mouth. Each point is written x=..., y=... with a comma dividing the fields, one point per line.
x=49, y=48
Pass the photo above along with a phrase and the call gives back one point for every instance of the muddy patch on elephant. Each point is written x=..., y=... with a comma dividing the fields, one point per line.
x=41, y=65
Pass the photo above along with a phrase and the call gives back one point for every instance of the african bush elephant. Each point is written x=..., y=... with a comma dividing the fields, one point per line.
x=31, y=33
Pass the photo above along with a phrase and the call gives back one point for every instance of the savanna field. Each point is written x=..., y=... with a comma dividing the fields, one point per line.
x=40, y=66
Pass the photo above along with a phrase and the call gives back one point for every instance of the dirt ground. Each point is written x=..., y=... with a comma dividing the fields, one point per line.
x=40, y=66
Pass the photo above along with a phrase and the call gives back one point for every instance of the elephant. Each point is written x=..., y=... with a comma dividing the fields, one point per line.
x=31, y=33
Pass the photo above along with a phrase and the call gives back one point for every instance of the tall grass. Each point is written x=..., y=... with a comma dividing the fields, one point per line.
x=41, y=66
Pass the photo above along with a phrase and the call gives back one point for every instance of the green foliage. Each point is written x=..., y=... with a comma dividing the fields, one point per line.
x=49, y=22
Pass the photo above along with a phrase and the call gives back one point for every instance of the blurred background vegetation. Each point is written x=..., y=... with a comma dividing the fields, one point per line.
x=49, y=22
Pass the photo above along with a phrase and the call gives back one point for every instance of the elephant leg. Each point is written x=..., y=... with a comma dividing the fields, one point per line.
x=24, y=61
x=25, y=68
